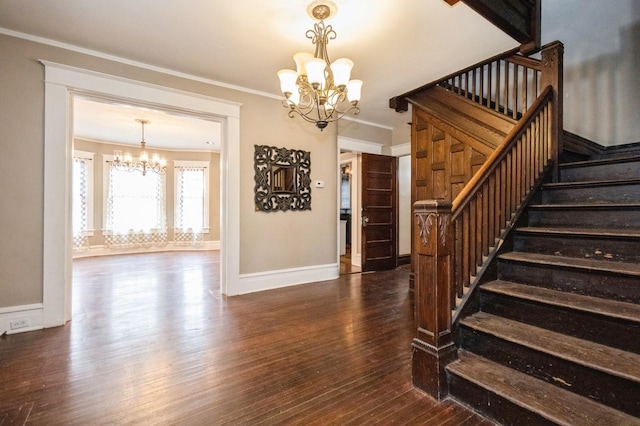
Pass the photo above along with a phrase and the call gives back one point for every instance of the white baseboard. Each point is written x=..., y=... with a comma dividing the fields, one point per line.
x=170, y=246
x=250, y=283
x=23, y=318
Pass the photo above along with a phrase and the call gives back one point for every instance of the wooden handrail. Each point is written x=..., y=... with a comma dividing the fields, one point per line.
x=454, y=242
x=492, y=162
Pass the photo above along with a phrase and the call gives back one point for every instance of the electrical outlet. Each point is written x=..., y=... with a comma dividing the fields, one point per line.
x=19, y=323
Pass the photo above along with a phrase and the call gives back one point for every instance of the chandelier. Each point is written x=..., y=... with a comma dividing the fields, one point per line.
x=320, y=91
x=125, y=162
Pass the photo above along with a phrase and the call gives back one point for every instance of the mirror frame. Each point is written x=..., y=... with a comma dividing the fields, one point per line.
x=266, y=159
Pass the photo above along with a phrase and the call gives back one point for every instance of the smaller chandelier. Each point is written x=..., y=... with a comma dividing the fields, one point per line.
x=320, y=91
x=143, y=164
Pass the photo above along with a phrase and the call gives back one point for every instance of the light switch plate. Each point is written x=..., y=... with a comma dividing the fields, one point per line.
x=319, y=184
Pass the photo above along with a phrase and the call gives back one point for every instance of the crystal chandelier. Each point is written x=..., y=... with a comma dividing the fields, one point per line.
x=320, y=91
x=143, y=164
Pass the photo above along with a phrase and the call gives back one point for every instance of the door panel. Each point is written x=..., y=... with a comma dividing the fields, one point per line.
x=379, y=212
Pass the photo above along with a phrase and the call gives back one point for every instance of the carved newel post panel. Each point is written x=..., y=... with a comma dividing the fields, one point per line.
x=433, y=346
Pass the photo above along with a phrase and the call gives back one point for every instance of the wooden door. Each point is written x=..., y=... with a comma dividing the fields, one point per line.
x=379, y=212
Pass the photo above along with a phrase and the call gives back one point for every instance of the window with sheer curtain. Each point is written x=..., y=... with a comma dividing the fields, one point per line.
x=82, y=199
x=135, y=208
x=191, y=215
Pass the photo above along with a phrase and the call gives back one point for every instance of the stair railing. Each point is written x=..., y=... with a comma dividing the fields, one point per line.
x=455, y=241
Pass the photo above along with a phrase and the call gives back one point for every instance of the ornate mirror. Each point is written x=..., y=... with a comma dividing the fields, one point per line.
x=282, y=179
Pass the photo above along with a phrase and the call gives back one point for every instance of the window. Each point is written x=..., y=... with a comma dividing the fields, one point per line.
x=191, y=196
x=135, y=203
x=82, y=198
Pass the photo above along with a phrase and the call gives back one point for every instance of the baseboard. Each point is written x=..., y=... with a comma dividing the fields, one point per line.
x=269, y=280
x=94, y=251
x=23, y=318
x=404, y=259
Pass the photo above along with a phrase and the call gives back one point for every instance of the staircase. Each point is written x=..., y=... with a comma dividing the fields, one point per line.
x=557, y=336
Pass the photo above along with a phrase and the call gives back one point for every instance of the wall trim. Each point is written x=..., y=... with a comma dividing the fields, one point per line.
x=259, y=281
x=401, y=149
x=119, y=59
x=100, y=250
x=359, y=145
x=32, y=314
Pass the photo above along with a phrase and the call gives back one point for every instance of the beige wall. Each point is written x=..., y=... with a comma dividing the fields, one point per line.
x=268, y=241
x=213, y=158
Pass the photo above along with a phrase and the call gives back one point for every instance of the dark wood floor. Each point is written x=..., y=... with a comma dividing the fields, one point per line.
x=153, y=342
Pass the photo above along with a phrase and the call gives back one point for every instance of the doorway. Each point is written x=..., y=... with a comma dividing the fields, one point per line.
x=61, y=84
x=122, y=211
x=349, y=236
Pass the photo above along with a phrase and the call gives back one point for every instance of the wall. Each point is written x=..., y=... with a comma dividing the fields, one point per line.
x=404, y=205
x=213, y=158
x=269, y=241
x=601, y=62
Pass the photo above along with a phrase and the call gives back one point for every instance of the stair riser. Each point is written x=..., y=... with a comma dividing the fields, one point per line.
x=584, y=325
x=592, y=194
x=588, y=282
x=592, y=218
x=491, y=405
x=626, y=170
x=610, y=390
x=600, y=248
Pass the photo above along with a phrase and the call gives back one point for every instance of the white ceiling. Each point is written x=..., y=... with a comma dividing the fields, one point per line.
x=396, y=46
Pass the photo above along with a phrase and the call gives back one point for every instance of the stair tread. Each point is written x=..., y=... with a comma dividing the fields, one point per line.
x=583, y=352
x=590, y=183
x=574, y=262
x=590, y=232
x=597, y=305
x=605, y=205
x=555, y=404
x=611, y=160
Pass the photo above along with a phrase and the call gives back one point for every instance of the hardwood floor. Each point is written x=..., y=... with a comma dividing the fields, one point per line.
x=153, y=342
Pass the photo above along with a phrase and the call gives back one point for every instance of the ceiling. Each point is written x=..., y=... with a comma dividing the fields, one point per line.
x=396, y=46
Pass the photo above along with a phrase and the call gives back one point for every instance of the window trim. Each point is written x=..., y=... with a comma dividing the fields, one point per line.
x=177, y=164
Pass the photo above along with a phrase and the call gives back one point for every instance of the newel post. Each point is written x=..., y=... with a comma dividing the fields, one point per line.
x=552, y=74
x=433, y=346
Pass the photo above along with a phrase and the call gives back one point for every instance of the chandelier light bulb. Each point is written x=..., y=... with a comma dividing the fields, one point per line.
x=288, y=81
x=341, y=69
x=315, y=71
x=354, y=90
x=301, y=59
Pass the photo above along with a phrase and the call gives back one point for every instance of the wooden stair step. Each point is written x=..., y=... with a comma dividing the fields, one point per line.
x=628, y=166
x=601, y=161
x=608, y=244
x=586, y=206
x=547, y=401
x=586, y=232
x=623, y=268
x=597, y=319
x=590, y=183
x=594, y=305
x=592, y=355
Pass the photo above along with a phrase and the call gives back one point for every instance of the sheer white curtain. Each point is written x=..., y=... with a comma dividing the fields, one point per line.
x=79, y=203
x=190, y=204
x=136, y=212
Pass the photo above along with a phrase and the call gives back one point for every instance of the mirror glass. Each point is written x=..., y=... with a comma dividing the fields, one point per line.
x=283, y=179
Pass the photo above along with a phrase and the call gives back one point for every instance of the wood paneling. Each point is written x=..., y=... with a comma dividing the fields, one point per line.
x=442, y=164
